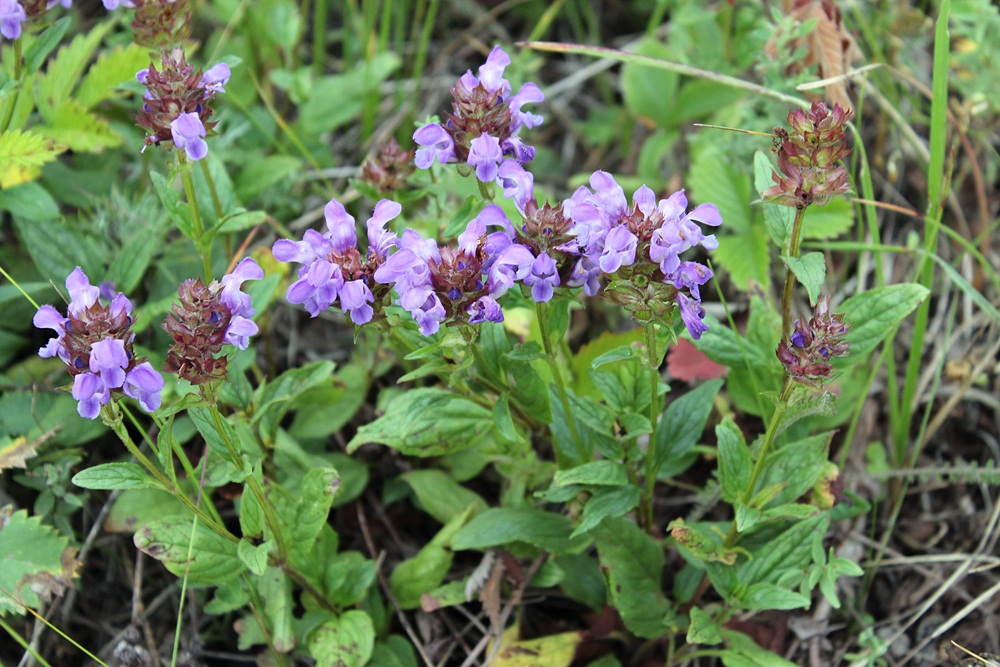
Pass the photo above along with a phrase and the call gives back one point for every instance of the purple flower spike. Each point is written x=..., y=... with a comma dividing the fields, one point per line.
x=143, y=384
x=619, y=248
x=215, y=78
x=543, y=278
x=485, y=309
x=11, y=17
x=437, y=145
x=188, y=133
x=485, y=157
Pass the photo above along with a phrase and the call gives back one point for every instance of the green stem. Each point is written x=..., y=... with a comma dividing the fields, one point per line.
x=319, y=38
x=255, y=486
x=758, y=466
x=542, y=311
x=18, y=74
x=793, y=251
x=113, y=419
x=654, y=413
x=216, y=203
x=199, y=226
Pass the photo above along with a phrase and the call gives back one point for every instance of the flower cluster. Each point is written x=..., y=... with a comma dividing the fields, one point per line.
x=95, y=341
x=175, y=105
x=332, y=265
x=483, y=129
x=207, y=317
x=639, y=246
x=809, y=156
x=806, y=354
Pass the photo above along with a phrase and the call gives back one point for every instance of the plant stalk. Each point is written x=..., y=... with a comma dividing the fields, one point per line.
x=654, y=413
x=793, y=251
x=199, y=226
x=18, y=74
x=542, y=311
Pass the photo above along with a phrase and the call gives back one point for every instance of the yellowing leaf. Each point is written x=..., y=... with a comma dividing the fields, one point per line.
x=551, y=651
x=26, y=149
x=14, y=453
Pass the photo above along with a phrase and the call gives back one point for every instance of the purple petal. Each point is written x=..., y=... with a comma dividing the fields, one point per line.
x=340, y=224
x=143, y=383
x=485, y=156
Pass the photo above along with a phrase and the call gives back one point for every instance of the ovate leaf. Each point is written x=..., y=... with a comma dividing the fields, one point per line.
x=345, y=641
x=810, y=269
x=874, y=314
x=539, y=528
x=36, y=561
x=169, y=540
x=115, y=476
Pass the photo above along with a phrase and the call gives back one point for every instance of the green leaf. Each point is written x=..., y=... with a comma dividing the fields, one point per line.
x=29, y=200
x=440, y=495
x=395, y=651
x=420, y=574
x=209, y=423
x=35, y=561
x=427, y=422
x=78, y=129
x=113, y=68
x=131, y=261
x=346, y=641
x=251, y=514
x=796, y=466
x=169, y=540
x=746, y=257
x=56, y=260
x=499, y=526
x=347, y=577
x=649, y=93
x=43, y=44
x=810, y=269
x=469, y=209
x=254, y=556
x=771, y=596
x=829, y=221
x=632, y=562
x=874, y=314
x=787, y=552
x=115, y=476
x=822, y=404
x=743, y=651
x=778, y=220
x=135, y=507
x=702, y=542
x=337, y=99
x=581, y=362
x=25, y=149
x=599, y=473
x=307, y=514
x=276, y=589
x=703, y=629
x=63, y=72
x=735, y=463
x=683, y=422
x=504, y=422
x=606, y=501
x=178, y=211
x=530, y=391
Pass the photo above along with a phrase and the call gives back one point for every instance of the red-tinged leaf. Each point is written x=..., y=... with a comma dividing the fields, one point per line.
x=686, y=362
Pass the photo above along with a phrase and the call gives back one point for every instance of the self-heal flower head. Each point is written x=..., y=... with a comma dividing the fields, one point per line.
x=208, y=317
x=333, y=267
x=188, y=133
x=12, y=15
x=806, y=353
x=176, y=105
x=484, y=124
x=95, y=341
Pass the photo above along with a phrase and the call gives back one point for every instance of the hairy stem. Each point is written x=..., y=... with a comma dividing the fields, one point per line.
x=758, y=466
x=542, y=310
x=654, y=413
x=793, y=251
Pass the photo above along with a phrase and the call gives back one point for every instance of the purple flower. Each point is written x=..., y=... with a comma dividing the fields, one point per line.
x=48, y=317
x=144, y=384
x=82, y=294
x=340, y=226
x=429, y=315
x=240, y=326
x=529, y=93
x=485, y=309
x=115, y=4
x=215, y=78
x=354, y=297
x=188, y=133
x=11, y=17
x=491, y=72
x=66, y=4
x=108, y=360
x=516, y=182
x=543, y=278
x=485, y=157
x=586, y=273
x=513, y=264
x=619, y=248
x=91, y=393
x=380, y=239
x=437, y=145
x=692, y=314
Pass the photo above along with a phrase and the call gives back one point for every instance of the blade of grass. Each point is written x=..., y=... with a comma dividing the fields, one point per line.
x=936, y=178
